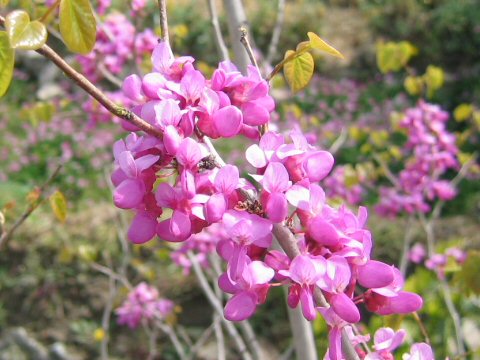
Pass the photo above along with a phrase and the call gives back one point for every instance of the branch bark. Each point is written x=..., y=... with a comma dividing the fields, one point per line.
x=236, y=19
x=219, y=42
x=162, y=5
x=277, y=30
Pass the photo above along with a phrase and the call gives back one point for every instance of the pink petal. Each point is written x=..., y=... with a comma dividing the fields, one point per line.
x=167, y=112
x=129, y=194
x=146, y=162
x=189, y=153
x=143, y=228
x=277, y=207
x=404, y=303
x=215, y=208
x=162, y=57
x=171, y=139
x=166, y=196
x=226, y=284
x=345, y=308
x=299, y=196
x=227, y=179
x=375, y=274
x=255, y=115
x=276, y=178
x=175, y=229
x=323, y=232
x=241, y=306
x=256, y=157
x=127, y=164
x=132, y=87
x=318, y=165
x=335, y=344
x=261, y=273
x=152, y=83
x=192, y=84
x=228, y=121
x=308, y=308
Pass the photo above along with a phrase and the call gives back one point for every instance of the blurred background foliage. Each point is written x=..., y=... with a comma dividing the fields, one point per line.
x=47, y=282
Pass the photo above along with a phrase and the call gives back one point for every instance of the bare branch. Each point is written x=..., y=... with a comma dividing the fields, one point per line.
x=217, y=306
x=246, y=43
x=162, y=4
x=237, y=18
x=221, y=47
x=277, y=30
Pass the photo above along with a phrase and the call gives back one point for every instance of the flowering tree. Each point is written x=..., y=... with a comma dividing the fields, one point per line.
x=269, y=219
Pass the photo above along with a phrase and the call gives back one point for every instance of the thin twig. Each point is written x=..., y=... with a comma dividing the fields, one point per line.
x=219, y=41
x=422, y=327
x=338, y=143
x=162, y=5
x=407, y=240
x=246, y=43
x=242, y=348
x=277, y=30
x=387, y=172
x=7, y=235
x=167, y=329
x=247, y=329
x=202, y=339
x=107, y=312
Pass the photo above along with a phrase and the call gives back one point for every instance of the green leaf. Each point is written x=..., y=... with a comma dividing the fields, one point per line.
x=392, y=56
x=77, y=25
x=299, y=70
x=7, y=60
x=58, y=203
x=317, y=43
x=23, y=33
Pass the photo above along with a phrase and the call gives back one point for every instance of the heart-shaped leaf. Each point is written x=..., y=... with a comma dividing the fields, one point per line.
x=23, y=33
x=299, y=70
x=7, y=60
x=317, y=43
x=77, y=25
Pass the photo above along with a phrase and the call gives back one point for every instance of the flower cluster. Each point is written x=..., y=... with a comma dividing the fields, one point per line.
x=177, y=188
x=433, y=152
x=437, y=262
x=386, y=340
x=337, y=185
x=143, y=304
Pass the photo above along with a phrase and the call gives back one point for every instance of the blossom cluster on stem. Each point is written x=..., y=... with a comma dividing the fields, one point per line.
x=178, y=191
x=430, y=152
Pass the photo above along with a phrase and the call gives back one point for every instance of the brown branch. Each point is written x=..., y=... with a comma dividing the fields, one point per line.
x=246, y=43
x=95, y=92
x=221, y=47
x=277, y=30
x=162, y=5
x=7, y=235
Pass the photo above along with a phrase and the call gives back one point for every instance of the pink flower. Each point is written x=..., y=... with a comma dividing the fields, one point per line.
x=305, y=272
x=417, y=253
x=386, y=341
x=391, y=299
x=143, y=304
x=420, y=351
x=249, y=289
